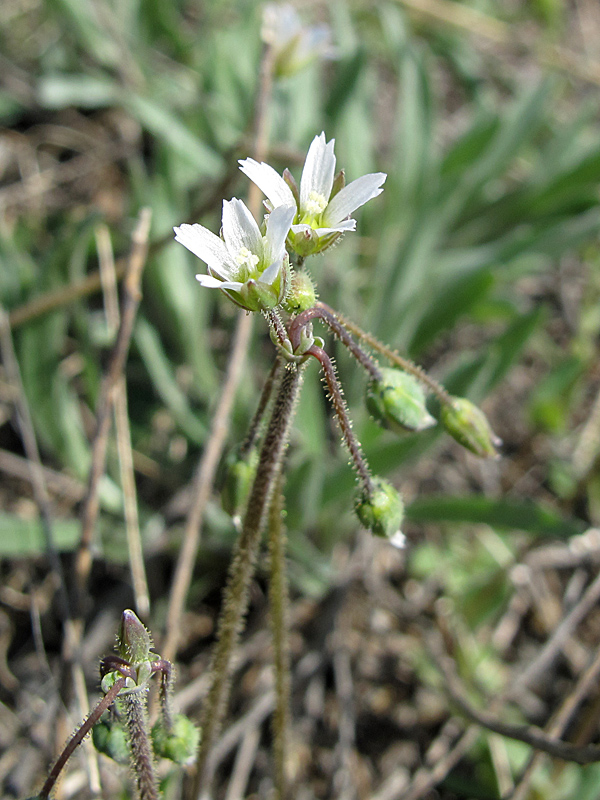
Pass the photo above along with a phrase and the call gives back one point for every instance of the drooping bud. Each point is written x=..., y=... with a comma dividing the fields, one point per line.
x=381, y=511
x=133, y=640
x=302, y=293
x=180, y=743
x=240, y=476
x=397, y=401
x=467, y=423
x=110, y=738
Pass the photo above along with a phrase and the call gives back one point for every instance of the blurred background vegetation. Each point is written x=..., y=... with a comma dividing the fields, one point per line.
x=480, y=261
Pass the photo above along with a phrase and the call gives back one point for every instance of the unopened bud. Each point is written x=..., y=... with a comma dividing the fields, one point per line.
x=302, y=293
x=397, y=401
x=467, y=423
x=180, y=743
x=381, y=511
x=134, y=640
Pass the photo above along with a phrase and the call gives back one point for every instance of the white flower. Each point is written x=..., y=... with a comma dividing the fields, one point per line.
x=295, y=45
x=251, y=269
x=323, y=204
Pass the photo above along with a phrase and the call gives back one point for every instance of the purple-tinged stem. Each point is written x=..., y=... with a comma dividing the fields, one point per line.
x=330, y=319
x=80, y=734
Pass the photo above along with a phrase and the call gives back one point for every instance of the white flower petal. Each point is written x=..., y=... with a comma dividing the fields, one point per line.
x=269, y=182
x=232, y=285
x=209, y=282
x=398, y=540
x=279, y=222
x=342, y=227
x=317, y=175
x=240, y=229
x=353, y=196
x=204, y=244
x=271, y=272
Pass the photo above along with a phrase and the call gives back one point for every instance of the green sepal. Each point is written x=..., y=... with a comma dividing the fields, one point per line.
x=467, y=423
x=180, y=744
x=381, y=510
x=302, y=293
x=110, y=738
x=397, y=401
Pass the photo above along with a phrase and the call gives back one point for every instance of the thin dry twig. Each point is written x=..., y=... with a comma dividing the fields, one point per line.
x=243, y=764
x=131, y=300
x=134, y=540
x=586, y=684
x=529, y=734
x=202, y=487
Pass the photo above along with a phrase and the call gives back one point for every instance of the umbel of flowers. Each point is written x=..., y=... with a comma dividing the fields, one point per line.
x=262, y=269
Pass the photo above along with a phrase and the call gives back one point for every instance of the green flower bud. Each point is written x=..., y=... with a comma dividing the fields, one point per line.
x=467, y=423
x=307, y=241
x=180, y=743
x=240, y=476
x=397, y=401
x=381, y=511
x=133, y=640
x=110, y=738
x=302, y=293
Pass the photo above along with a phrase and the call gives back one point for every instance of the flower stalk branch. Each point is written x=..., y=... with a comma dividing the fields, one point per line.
x=279, y=609
x=327, y=315
x=392, y=355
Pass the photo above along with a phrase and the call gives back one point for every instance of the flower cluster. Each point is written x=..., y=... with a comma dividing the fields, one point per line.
x=251, y=266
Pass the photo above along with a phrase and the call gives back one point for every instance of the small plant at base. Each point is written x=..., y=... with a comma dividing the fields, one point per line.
x=125, y=736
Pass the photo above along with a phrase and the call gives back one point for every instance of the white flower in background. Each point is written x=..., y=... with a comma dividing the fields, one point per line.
x=295, y=45
x=251, y=269
x=323, y=204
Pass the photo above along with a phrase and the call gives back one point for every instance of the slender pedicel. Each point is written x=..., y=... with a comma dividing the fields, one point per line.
x=339, y=406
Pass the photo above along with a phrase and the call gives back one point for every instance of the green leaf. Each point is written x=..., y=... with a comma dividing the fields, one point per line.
x=25, y=537
x=169, y=128
x=526, y=516
x=160, y=370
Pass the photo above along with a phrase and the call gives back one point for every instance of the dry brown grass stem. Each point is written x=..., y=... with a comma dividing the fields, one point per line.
x=123, y=432
x=470, y=20
x=130, y=303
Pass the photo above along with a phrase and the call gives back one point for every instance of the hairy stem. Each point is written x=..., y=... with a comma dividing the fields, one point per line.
x=263, y=403
x=404, y=363
x=138, y=732
x=235, y=600
x=339, y=406
x=278, y=604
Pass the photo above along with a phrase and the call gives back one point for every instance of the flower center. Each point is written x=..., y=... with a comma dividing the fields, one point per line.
x=247, y=262
x=315, y=205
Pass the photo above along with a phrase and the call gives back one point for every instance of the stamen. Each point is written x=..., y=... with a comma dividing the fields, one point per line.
x=316, y=204
x=246, y=258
